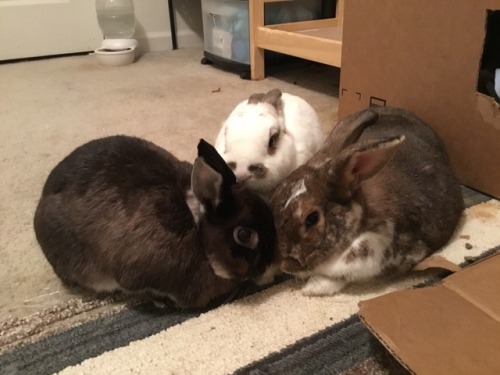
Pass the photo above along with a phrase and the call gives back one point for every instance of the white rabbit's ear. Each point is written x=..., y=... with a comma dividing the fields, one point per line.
x=272, y=97
x=206, y=183
x=359, y=163
x=256, y=98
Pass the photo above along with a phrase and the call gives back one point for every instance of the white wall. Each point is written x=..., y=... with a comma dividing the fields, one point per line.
x=31, y=28
x=153, y=26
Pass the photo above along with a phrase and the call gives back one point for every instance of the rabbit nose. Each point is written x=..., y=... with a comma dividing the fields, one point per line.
x=290, y=265
x=242, y=177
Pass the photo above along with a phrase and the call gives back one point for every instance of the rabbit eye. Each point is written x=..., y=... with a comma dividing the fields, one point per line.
x=273, y=142
x=311, y=219
x=246, y=237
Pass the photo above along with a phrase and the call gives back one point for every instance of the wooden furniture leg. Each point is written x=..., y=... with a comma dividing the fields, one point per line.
x=256, y=20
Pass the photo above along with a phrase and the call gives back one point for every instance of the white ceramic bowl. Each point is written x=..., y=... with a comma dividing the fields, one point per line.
x=116, y=57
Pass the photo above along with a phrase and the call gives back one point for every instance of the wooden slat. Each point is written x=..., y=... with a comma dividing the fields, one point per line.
x=340, y=10
x=331, y=33
x=307, y=25
x=322, y=50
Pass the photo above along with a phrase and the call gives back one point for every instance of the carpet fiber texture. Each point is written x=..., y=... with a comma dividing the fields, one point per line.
x=273, y=331
x=53, y=106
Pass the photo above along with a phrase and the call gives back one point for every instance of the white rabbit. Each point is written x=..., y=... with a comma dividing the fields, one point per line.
x=268, y=136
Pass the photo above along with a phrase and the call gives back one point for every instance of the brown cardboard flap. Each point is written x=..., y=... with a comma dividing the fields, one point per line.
x=436, y=261
x=480, y=286
x=489, y=110
x=450, y=328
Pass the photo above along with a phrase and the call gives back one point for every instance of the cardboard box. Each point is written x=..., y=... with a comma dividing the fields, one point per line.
x=450, y=328
x=425, y=56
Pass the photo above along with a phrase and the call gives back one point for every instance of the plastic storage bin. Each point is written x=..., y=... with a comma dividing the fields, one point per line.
x=226, y=31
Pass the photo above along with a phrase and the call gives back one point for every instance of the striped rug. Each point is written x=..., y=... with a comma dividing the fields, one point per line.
x=271, y=331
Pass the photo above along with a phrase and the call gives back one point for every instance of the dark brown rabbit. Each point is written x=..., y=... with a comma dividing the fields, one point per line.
x=121, y=213
x=377, y=198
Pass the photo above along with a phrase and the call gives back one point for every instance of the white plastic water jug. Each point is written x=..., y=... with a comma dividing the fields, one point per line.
x=116, y=18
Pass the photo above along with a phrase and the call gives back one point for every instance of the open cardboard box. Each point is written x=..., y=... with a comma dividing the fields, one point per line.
x=426, y=56
x=450, y=328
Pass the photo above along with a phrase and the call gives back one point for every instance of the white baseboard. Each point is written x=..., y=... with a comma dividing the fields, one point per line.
x=162, y=41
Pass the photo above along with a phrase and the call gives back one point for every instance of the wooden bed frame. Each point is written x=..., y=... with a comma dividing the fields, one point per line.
x=317, y=40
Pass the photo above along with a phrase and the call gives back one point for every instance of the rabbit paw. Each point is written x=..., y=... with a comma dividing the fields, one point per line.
x=322, y=286
x=267, y=277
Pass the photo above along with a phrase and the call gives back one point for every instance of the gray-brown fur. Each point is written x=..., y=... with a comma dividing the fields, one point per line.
x=256, y=98
x=272, y=97
x=115, y=209
x=258, y=170
x=380, y=171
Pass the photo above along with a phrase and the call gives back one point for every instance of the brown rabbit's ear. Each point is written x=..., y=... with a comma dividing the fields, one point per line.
x=206, y=183
x=348, y=131
x=358, y=163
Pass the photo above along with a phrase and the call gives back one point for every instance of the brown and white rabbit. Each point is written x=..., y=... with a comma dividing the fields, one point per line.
x=120, y=213
x=377, y=198
x=267, y=136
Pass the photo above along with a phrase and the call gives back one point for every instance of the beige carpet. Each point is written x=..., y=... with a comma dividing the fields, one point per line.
x=47, y=108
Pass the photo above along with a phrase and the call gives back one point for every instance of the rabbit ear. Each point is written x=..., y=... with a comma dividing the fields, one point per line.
x=211, y=178
x=214, y=160
x=273, y=97
x=256, y=98
x=359, y=163
x=206, y=183
x=348, y=131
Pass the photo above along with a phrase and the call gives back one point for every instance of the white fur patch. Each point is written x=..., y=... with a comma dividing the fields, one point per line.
x=196, y=208
x=322, y=286
x=361, y=267
x=219, y=270
x=320, y=164
x=268, y=276
x=298, y=188
x=105, y=285
x=154, y=292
